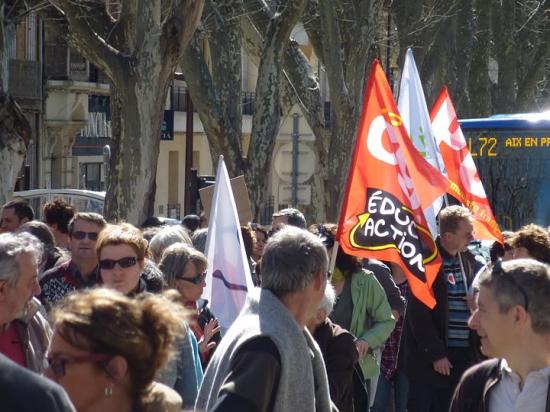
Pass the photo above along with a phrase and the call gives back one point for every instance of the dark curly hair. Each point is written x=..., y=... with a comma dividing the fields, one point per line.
x=535, y=239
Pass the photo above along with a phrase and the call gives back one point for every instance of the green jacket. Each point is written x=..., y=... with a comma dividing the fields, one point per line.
x=371, y=319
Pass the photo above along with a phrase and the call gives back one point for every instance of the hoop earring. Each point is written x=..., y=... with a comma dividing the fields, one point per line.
x=109, y=390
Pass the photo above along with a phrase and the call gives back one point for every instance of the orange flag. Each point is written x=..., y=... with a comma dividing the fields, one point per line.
x=461, y=169
x=388, y=185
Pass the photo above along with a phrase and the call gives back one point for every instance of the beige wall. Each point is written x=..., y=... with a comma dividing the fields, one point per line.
x=202, y=160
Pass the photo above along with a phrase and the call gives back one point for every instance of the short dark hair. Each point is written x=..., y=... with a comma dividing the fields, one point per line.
x=58, y=212
x=191, y=222
x=89, y=217
x=22, y=208
x=294, y=217
x=152, y=221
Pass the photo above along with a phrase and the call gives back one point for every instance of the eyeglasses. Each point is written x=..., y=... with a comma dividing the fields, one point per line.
x=125, y=262
x=79, y=235
x=497, y=270
x=57, y=363
x=195, y=280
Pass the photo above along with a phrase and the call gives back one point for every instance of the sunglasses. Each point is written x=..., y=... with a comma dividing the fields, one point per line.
x=195, y=280
x=57, y=363
x=497, y=270
x=79, y=235
x=125, y=262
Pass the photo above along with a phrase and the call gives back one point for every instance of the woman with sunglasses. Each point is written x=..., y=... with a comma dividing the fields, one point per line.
x=121, y=251
x=184, y=269
x=107, y=349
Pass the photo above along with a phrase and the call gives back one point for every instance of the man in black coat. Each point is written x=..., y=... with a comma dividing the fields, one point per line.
x=24, y=391
x=436, y=346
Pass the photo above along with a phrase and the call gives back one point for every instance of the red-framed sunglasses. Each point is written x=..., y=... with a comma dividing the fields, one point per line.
x=57, y=363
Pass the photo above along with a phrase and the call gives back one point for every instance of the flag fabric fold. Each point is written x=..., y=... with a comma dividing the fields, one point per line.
x=388, y=186
x=466, y=185
x=416, y=119
x=228, y=278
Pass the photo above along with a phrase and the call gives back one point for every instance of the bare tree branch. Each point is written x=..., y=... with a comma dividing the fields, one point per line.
x=87, y=41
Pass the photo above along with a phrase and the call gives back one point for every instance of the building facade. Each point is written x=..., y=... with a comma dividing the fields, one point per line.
x=66, y=100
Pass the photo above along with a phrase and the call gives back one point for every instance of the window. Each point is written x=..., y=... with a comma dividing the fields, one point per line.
x=91, y=176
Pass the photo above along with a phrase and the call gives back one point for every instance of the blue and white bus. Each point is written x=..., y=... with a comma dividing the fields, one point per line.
x=512, y=154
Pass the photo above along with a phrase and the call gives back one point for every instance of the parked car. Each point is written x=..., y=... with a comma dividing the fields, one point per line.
x=82, y=200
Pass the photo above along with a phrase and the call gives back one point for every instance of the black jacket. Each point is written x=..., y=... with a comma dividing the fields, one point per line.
x=472, y=392
x=424, y=337
x=340, y=355
x=24, y=391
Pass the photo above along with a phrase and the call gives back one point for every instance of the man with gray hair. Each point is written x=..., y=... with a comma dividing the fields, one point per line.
x=268, y=360
x=339, y=353
x=24, y=332
x=513, y=322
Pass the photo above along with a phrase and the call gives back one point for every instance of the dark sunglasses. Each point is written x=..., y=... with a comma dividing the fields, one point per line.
x=79, y=235
x=125, y=262
x=497, y=270
x=57, y=364
x=195, y=280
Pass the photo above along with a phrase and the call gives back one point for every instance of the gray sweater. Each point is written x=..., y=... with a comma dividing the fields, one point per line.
x=303, y=384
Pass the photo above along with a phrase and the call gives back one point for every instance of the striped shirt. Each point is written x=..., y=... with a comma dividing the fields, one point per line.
x=458, y=331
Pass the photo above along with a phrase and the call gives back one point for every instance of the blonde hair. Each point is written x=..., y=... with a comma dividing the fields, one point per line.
x=174, y=259
x=123, y=234
x=142, y=330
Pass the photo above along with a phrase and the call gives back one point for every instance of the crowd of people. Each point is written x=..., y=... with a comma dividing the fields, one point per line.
x=103, y=316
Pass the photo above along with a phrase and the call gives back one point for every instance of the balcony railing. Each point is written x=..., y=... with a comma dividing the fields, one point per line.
x=25, y=79
x=178, y=98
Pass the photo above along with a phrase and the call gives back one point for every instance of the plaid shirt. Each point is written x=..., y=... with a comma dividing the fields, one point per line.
x=388, y=363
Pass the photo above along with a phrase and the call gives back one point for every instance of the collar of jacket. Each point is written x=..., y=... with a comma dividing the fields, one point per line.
x=29, y=311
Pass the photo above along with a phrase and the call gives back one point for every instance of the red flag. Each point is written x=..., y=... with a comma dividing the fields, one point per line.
x=461, y=169
x=388, y=186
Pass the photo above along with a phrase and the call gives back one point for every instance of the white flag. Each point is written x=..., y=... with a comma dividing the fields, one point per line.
x=228, y=278
x=416, y=118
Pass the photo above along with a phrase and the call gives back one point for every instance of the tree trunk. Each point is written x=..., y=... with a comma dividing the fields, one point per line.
x=504, y=23
x=145, y=44
x=479, y=83
x=15, y=130
x=216, y=90
x=3, y=53
x=15, y=133
x=136, y=120
x=266, y=121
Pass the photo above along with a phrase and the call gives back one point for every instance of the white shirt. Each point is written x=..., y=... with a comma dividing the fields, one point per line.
x=507, y=396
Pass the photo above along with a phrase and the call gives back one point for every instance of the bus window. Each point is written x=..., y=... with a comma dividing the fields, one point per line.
x=512, y=155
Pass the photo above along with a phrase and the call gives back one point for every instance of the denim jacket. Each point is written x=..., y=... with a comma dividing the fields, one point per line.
x=183, y=372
